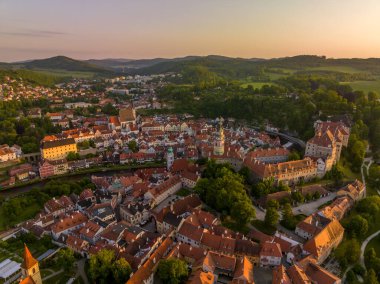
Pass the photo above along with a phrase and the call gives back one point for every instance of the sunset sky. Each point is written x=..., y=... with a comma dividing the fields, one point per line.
x=85, y=29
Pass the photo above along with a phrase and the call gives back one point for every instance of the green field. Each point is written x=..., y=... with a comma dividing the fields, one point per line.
x=255, y=84
x=365, y=86
x=65, y=73
x=344, y=69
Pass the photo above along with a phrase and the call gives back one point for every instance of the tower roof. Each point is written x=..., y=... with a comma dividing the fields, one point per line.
x=29, y=260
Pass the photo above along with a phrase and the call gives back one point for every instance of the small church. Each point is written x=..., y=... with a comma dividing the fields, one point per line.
x=30, y=269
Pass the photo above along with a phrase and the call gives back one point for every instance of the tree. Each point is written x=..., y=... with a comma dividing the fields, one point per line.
x=308, y=197
x=109, y=109
x=371, y=259
x=121, y=270
x=293, y=156
x=316, y=195
x=374, y=176
x=271, y=217
x=243, y=212
x=72, y=156
x=371, y=277
x=132, y=145
x=104, y=268
x=264, y=187
x=172, y=270
x=224, y=191
x=348, y=252
x=297, y=197
x=288, y=219
x=273, y=203
x=350, y=276
x=357, y=226
x=335, y=174
x=66, y=258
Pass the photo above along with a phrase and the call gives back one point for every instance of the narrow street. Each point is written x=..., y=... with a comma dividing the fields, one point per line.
x=311, y=207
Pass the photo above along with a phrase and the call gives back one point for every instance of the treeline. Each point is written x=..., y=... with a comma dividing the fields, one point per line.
x=14, y=209
x=338, y=76
x=16, y=128
x=32, y=77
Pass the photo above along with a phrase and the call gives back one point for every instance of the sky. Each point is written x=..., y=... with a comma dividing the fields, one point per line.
x=84, y=29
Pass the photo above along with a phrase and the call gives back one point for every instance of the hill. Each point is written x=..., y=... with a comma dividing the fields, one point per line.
x=64, y=63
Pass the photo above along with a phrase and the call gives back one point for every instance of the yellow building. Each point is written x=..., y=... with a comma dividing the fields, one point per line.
x=58, y=149
x=30, y=269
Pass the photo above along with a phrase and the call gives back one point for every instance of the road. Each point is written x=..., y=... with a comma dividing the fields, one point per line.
x=364, y=245
x=311, y=207
x=80, y=270
x=260, y=214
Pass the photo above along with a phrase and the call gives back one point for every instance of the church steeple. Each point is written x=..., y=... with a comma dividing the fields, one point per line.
x=219, y=139
x=30, y=269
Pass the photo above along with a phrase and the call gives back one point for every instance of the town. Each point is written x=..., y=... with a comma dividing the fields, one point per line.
x=154, y=212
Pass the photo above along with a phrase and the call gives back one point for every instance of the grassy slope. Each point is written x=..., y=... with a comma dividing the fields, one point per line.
x=365, y=86
x=66, y=73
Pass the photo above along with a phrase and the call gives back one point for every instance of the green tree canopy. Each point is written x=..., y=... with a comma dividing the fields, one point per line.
x=172, y=271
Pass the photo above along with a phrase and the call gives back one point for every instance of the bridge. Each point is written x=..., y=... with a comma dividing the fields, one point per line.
x=32, y=157
x=292, y=139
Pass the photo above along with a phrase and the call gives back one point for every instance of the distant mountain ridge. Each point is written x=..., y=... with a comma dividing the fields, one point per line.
x=220, y=65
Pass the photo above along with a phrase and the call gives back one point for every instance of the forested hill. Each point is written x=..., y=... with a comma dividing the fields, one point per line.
x=63, y=63
x=239, y=66
x=225, y=67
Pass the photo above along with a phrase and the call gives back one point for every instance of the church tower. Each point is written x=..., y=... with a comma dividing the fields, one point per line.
x=30, y=269
x=219, y=139
x=169, y=158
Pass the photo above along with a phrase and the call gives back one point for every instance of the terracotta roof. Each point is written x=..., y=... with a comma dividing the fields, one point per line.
x=127, y=114
x=320, y=275
x=29, y=260
x=298, y=276
x=146, y=270
x=57, y=143
x=221, y=261
x=325, y=239
x=270, y=152
x=190, y=231
x=200, y=277
x=325, y=139
x=243, y=272
x=27, y=280
x=270, y=249
x=280, y=276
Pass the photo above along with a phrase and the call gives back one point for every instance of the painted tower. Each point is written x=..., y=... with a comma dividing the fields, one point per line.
x=219, y=139
x=30, y=269
x=169, y=158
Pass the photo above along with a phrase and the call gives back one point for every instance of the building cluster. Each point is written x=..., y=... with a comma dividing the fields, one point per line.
x=322, y=152
x=154, y=137
x=326, y=145
x=9, y=153
x=141, y=219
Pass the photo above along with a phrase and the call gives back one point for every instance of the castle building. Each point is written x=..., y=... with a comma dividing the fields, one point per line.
x=58, y=149
x=219, y=139
x=327, y=143
x=30, y=269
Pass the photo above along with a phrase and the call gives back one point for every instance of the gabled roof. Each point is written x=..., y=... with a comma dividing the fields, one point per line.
x=325, y=239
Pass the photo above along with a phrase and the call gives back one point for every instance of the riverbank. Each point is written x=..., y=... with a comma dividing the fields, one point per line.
x=21, y=188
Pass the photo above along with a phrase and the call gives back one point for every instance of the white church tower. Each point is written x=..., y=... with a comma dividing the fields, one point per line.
x=169, y=158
